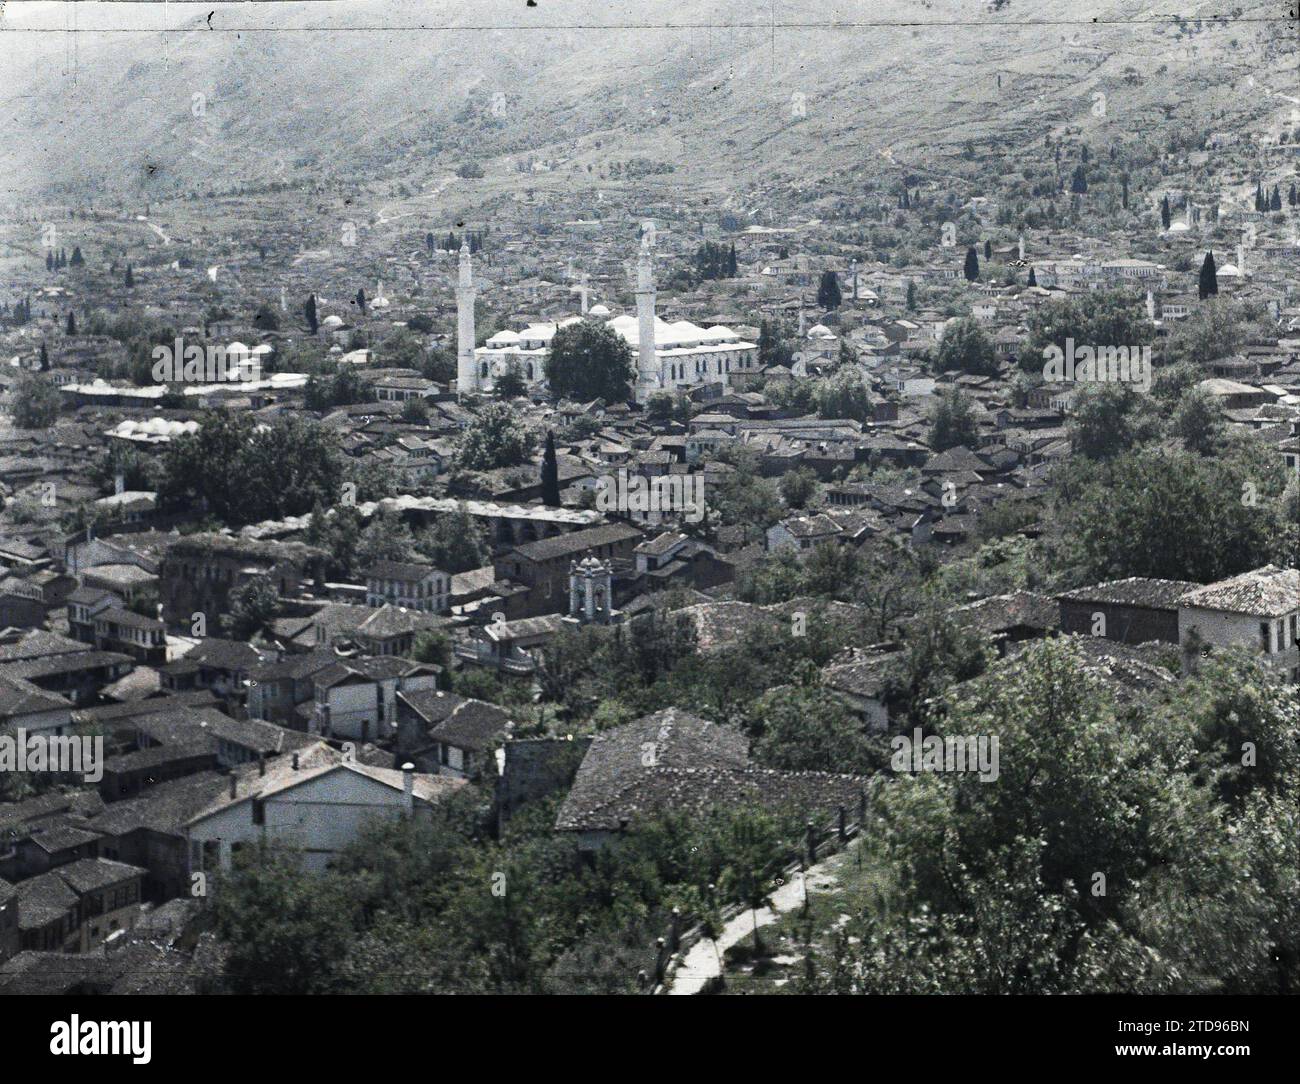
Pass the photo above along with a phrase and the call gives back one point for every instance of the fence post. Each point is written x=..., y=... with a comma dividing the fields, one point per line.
x=844, y=824
x=812, y=843
x=862, y=810
x=675, y=929
x=660, y=959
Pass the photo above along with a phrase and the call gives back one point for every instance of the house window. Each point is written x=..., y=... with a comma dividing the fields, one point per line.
x=259, y=811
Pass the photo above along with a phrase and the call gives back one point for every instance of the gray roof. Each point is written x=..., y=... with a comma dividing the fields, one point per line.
x=1265, y=592
x=673, y=761
x=1135, y=591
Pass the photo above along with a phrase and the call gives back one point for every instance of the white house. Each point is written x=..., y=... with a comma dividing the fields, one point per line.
x=1257, y=610
x=315, y=803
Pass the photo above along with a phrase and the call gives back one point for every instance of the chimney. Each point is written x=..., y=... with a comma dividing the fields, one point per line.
x=119, y=483
x=295, y=762
x=261, y=763
x=234, y=782
x=408, y=788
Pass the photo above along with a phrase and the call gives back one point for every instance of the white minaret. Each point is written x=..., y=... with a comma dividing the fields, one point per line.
x=1151, y=306
x=284, y=299
x=1241, y=258
x=466, y=365
x=647, y=364
x=1022, y=247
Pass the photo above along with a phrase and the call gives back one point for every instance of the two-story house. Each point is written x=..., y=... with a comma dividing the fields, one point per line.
x=408, y=585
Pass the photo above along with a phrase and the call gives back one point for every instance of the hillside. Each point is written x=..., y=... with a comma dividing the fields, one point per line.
x=739, y=101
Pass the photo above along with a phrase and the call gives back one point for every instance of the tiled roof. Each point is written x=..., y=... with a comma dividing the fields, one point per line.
x=1134, y=591
x=1265, y=592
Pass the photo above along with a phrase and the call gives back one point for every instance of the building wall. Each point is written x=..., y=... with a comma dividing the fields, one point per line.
x=1227, y=630
x=10, y=939
x=1124, y=624
x=318, y=818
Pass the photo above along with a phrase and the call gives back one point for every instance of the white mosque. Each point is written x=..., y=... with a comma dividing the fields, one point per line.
x=669, y=356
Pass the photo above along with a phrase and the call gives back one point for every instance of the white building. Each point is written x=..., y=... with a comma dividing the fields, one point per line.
x=314, y=802
x=1257, y=610
x=669, y=356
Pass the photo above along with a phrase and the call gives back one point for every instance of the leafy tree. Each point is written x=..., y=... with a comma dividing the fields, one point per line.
x=253, y=605
x=1181, y=909
x=414, y=411
x=432, y=646
x=953, y=422
x=385, y=538
x=1211, y=331
x=455, y=543
x=497, y=437
x=1198, y=422
x=798, y=487
x=965, y=347
x=242, y=472
x=1100, y=318
x=590, y=361
x=1175, y=515
x=35, y=403
x=773, y=349
x=844, y=395
x=510, y=384
x=1109, y=419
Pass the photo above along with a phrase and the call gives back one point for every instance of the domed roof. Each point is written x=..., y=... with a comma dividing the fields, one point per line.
x=332, y=321
x=598, y=310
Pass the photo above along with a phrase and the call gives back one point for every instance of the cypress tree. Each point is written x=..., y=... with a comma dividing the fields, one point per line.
x=361, y=301
x=49, y=261
x=988, y=249
x=309, y=310
x=1275, y=203
x=1033, y=279
x=828, y=292
x=130, y=278
x=1208, y=285
x=972, y=268
x=1164, y=212
x=78, y=260
x=72, y=324
x=45, y=354
x=550, y=474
